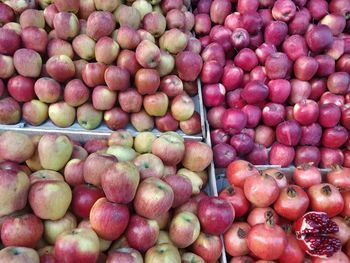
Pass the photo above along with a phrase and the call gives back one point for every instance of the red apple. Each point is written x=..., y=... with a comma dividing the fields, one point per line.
x=130, y=100
x=106, y=50
x=127, y=60
x=99, y=24
x=208, y=247
x=117, y=78
x=147, y=81
x=155, y=23
x=142, y=121
x=148, y=54
x=60, y=68
x=156, y=104
x=47, y=90
x=21, y=88
x=116, y=118
x=124, y=254
x=66, y=25
x=10, y=41
x=103, y=98
x=27, y=62
x=189, y=65
x=93, y=74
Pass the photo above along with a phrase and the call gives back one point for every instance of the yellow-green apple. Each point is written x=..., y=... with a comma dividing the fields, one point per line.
x=109, y=5
x=182, y=188
x=42, y=175
x=46, y=254
x=149, y=165
x=142, y=233
x=60, y=67
x=95, y=165
x=127, y=37
x=117, y=78
x=18, y=255
x=148, y=54
x=88, y=117
x=166, y=64
x=147, y=80
x=169, y=147
x=31, y=16
x=156, y=104
x=198, y=155
x=173, y=41
x=84, y=47
x=67, y=5
x=58, y=46
x=124, y=255
x=184, y=229
x=143, y=6
x=108, y=219
x=171, y=85
x=14, y=185
x=123, y=153
x=127, y=15
x=143, y=142
x=27, y=62
x=153, y=205
x=47, y=90
x=93, y=74
x=141, y=121
x=34, y=162
x=76, y=93
x=100, y=24
x=169, y=170
x=154, y=23
x=163, y=253
x=53, y=228
x=103, y=98
x=54, y=151
x=164, y=238
x=120, y=181
x=7, y=67
x=22, y=230
x=35, y=112
x=163, y=220
x=77, y=245
x=182, y=107
x=121, y=137
x=10, y=111
x=13, y=26
x=104, y=244
x=84, y=197
x=127, y=60
x=62, y=114
x=16, y=146
x=73, y=172
x=208, y=247
x=106, y=50
x=189, y=257
x=130, y=100
x=50, y=199
x=34, y=38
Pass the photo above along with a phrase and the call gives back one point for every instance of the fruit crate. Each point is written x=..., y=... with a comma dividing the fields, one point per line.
x=103, y=131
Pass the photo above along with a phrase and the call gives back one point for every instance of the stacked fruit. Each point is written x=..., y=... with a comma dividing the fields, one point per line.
x=108, y=201
x=276, y=74
x=280, y=216
x=99, y=60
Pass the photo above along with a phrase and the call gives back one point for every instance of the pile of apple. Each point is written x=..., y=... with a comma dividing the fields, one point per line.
x=123, y=199
x=299, y=216
x=276, y=78
x=99, y=60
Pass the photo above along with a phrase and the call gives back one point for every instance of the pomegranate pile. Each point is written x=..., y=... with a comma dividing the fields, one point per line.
x=98, y=61
x=287, y=217
x=276, y=79
x=123, y=199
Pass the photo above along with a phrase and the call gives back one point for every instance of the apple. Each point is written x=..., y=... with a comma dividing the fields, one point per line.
x=121, y=137
x=171, y=85
x=208, y=247
x=181, y=186
x=50, y=199
x=100, y=24
x=182, y=107
x=66, y=25
x=10, y=111
x=174, y=41
x=175, y=18
x=95, y=165
x=46, y=254
x=35, y=112
x=127, y=60
x=163, y=253
x=188, y=65
x=149, y=165
x=145, y=35
x=164, y=238
x=166, y=123
x=47, y=90
x=43, y=175
x=120, y=181
x=166, y=64
x=49, y=13
x=106, y=50
x=154, y=23
x=128, y=15
x=80, y=244
x=7, y=68
x=84, y=46
x=16, y=146
x=79, y=152
x=127, y=37
x=122, y=152
x=153, y=206
x=21, y=88
x=60, y=67
x=67, y=5
x=130, y=100
x=27, y=62
x=142, y=121
x=196, y=180
x=73, y=172
x=9, y=42
x=33, y=163
x=103, y=98
x=104, y=5
x=124, y=254
x=19, y=255
x=197, y=155
x=7, y=14
x=22, y=230
x=193, y=125
x=142, y=233
x=75, y=93
x=156, y=104
x=163, y=220
x=147, y=81
x=94, y=145
x=53, y=228
x=116, y=118
x=117, y=78
x=148, y=54
x=169, y=147
x=109, y=220
x=184, y=229
x=93, y=74
x=143, y=142
x=62, y=114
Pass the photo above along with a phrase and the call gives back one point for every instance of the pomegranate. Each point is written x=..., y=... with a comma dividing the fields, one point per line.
x=292, y=252
x=258, y=215
x=307, y=175
x=326, y=198
x=344, y=230
x=339, y=176
x=235, y=196
x=261, y=190
x=242, y=259
x=279, y=176
x=313, y=231
x=235, y=239
x=292, y=202
x=238, y=170
x=267, y=240
x=346, y=197
x=338, y=257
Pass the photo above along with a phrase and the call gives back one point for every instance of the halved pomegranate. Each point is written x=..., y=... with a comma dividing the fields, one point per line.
x=313, y=230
